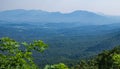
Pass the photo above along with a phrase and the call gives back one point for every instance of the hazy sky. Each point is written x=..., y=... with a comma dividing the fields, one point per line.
x=111, y=7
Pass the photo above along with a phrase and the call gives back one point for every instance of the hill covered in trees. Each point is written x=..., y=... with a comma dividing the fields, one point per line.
x=108, y=59
x=68, y=43
x=14, y=56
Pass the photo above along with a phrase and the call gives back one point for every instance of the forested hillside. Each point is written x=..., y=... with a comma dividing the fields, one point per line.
x=15, y=55
x=107, y=59
x=68, y=43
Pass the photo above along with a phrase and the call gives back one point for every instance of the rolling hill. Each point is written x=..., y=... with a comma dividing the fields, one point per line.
x=38, y=16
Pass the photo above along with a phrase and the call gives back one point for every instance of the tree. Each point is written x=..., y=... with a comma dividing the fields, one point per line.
x=14, y=55
x=108, y=59
x=86, y=64
x=116, y=60
x=56, y=66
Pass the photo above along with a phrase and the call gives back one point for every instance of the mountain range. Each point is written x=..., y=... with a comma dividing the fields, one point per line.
x=38, y=16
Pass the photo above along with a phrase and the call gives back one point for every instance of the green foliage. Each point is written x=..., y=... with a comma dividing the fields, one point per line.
x=13, y=57
x=116, y=60
x=108, y=59
x=89, y=64
x=56, y=66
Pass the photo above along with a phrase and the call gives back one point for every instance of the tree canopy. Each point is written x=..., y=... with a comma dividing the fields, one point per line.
x=15, y=55
x=56, y=66
x=108, y=59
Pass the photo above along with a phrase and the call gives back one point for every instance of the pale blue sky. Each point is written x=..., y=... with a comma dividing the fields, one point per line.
x=110, y=7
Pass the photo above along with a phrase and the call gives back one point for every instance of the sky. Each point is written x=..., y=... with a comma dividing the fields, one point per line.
x=108, y=7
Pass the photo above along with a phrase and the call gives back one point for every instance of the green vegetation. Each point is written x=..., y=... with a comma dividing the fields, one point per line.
x=108, y=59
x=68, y=42
x=13, y=57
x=56, y=66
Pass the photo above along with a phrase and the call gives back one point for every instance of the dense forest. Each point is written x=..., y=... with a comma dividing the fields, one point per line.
x=14, y=56
x=67, y=43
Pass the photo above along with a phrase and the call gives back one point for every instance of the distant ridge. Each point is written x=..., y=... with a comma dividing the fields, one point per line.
x=21, y=15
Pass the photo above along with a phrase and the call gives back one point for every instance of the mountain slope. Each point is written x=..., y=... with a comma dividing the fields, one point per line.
x=83, y=17
x=109, y=43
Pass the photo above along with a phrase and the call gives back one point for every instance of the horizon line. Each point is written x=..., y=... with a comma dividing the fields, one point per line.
x=99, y=13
